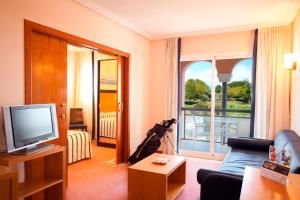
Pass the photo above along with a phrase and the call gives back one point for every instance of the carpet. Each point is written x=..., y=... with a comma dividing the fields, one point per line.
x=94, y=179
x=113, y=162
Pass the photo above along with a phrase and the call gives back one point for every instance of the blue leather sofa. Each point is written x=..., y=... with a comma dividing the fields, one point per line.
x=226, y=182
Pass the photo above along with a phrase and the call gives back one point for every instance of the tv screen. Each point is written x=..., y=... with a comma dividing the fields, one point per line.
x=29, y=125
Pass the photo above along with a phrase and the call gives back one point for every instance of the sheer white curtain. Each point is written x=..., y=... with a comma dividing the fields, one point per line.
x=272, y=111
x=171, y=51
x=80, y=90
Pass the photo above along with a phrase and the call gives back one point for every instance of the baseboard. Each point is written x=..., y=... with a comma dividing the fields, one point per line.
x=109, y=145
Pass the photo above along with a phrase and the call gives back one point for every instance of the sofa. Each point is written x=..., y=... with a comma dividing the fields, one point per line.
x=226, y=182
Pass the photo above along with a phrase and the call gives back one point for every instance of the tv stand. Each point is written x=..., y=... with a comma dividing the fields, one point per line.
x=45, y=173
x=34, y=149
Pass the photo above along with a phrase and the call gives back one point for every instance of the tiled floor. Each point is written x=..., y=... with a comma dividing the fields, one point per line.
x=201, y=146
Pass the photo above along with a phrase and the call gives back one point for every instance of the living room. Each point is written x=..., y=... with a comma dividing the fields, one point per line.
x=164, y=42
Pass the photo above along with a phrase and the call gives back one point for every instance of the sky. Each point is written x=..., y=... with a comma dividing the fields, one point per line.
x=202, y=70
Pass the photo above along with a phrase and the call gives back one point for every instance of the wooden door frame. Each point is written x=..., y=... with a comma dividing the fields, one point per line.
x=30, y=27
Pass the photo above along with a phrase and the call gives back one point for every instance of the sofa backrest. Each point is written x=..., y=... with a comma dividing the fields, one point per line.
x=289, y=140
x=284, y=137
x=294, y=149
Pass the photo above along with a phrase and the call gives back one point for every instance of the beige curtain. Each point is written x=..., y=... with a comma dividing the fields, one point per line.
x=171, y=49
x=272, y=111
x=80, y=84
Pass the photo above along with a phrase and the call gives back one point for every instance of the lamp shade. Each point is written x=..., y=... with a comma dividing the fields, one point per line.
x=290, y=61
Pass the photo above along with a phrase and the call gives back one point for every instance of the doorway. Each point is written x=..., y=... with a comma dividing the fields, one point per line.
x=215, y=105
x=55, y=59
x=92, y=89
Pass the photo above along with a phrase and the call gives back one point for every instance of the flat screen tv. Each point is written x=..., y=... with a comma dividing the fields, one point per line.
x=27, y=126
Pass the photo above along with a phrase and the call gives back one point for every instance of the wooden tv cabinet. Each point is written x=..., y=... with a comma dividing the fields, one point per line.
x=8, y=183
x=45, y=173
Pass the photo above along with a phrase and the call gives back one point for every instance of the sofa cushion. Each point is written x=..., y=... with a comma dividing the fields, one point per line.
x=284, y=137
x=238, y=159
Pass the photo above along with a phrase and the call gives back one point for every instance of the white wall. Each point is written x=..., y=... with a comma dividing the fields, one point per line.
x=158, y=86
x=231, y=44
x=295, y=111
x=71, y=17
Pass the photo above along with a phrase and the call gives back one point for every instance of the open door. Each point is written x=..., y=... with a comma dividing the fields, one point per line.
x=45, y=82
x=107, y=102
x=123, y=110
x=120, y=114
x=46, y=75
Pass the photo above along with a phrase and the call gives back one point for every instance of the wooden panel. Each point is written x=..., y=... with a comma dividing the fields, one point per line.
x=63, y=124
x=176, y=181
x=56, y=192
x=126, y=128
x=36, y=187
x=77, y=41
x=46, y=77
x=45, y=173
x=267, y=189
x=34, y=172
x=8, y=183
x=147, y=180
x=45, y=69
x=120, y=113
x=152, y=186
x=11, y=160
x=5, y=188
x=56, y=171
x=147, y=165
x=108, y=102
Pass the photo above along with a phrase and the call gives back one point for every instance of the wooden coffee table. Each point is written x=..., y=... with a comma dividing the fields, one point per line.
x=147, y=180
x=257, y=187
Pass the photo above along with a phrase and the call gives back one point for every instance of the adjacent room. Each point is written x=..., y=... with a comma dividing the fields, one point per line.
x=92, y=95
x=153, y=100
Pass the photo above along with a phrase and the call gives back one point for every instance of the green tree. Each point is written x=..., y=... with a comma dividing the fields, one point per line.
x=196, y=89
x=218, y=89
x=240, y=90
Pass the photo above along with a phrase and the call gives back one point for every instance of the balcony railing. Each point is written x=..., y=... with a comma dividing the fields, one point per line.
x=227, y=123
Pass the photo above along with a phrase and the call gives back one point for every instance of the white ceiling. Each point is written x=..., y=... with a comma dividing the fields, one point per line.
x=166, y=18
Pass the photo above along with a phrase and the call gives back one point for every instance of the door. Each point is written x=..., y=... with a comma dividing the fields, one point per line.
x=107, y=102
x=121, y=105
x=56, y=59
x=216, y=105
x=120, y=114
x=197, y=104
x=46, y=75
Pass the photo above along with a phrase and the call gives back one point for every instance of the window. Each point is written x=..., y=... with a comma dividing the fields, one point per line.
x=215, y=103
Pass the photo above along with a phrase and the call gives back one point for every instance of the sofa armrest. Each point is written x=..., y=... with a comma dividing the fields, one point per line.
x=221, y=186
x=202, y=173
x=250, y=143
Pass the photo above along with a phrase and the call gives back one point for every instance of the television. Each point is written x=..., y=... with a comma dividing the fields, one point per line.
x=26, y=127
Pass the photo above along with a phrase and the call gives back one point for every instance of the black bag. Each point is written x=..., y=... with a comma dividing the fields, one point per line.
x=152, y=141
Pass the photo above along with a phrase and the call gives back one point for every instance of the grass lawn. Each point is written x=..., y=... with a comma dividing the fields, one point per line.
x=231, y=104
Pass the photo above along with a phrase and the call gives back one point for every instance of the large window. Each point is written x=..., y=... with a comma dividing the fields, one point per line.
x=215, y=103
